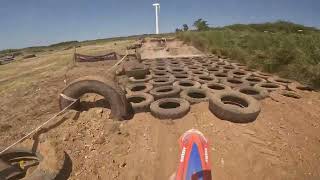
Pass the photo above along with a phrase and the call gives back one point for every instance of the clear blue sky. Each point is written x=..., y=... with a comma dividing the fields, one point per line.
x=41, y=22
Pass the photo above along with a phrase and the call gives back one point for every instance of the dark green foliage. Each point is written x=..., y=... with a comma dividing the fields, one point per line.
x=282, y=50
x=201, y=25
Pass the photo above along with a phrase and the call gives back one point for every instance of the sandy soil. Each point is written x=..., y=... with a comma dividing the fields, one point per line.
x=283, y=143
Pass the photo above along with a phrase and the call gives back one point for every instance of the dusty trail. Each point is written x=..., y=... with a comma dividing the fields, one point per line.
x=282, y=143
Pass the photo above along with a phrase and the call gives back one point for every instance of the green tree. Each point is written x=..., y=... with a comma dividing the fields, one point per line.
x=185, y=27
x=178, y=30
x=201, y=25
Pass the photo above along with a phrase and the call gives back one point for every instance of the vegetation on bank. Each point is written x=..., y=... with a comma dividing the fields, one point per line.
x=287, y=49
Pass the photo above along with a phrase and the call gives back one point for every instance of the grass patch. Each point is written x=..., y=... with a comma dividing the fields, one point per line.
x=289, y=50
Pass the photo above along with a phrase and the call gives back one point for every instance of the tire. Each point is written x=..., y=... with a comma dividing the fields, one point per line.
x=220, y=76
x=239, y=74
x=199, y=73
x=205, y=79
x=281, y=81
x=140, y=102
x=160, y=74
x=297, y=87
x=138, y=88
x=179, y=108
x=51, y=161
x=215, y=87
x=212, y=70
x=233, y=82
x=288, y=94
x=194, y=95
x=261, y=75
x=270, y=86
x=182, y=76
x=257, y=93
x=185, y=84
x=177, y=70
x=159, y=69
x=229, y=67
x=145, y=79
x=156, y=82
x=195, y=68
x=165, y=92
x=244, y=108
x=251, y=80
x=120, y=108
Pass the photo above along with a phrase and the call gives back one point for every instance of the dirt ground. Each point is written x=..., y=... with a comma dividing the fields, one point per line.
x=282, y=143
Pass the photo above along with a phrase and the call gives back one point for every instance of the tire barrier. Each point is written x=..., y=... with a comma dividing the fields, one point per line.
x=215, y=87
x=140, y=102
x=253, y=80
x=270, y=86
x=257, y=93
x=205, y=79
x=138, y=87
x=297, y=87
x=234, y=106
x=170, y=108
x=156, y=82
x=281, y=81
x=87, y=58
x=234, y=82
x=239, y=74
x=185, y=84
x=120, y=108
x=165, y=92
x=194, y=95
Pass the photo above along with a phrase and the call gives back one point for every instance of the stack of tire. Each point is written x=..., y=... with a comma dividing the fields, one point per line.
x=232, y=89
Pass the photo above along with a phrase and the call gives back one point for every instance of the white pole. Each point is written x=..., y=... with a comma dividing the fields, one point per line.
x=157, y=5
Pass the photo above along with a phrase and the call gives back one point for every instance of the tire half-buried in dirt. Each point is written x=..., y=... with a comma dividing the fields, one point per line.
x=140, y=101
x=120, y=108
x=170, y=108
x=234, y=106
x=45, y=163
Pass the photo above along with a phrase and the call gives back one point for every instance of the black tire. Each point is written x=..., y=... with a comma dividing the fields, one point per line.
x=195, y=95
x=234, y=82
x=140, y=80
x=194, y=68
x=165, y=92
x=261, y=75
x=297, y=87
x=281, y=81
x=182, y=76
x=170, y=108
x=156, y=82
x=177, y=70
x=251, y=80
x=159, y=69
x=229, y=68
x=257, y=93
x=215, y=87
x=221, y=76
x=270, y=86
x=185, y=84
x=234, y=106
x=120, y=108
x=138, y=87
x=239, y=74
x=160, y=74
x=140, y=102
x=212, y=70
x=51, y=162
x=205, y=79
x=199, y=73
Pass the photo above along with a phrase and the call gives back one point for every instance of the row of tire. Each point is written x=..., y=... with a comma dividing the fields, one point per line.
x=201, y=79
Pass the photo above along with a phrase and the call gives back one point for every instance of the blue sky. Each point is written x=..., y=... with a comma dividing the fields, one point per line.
x=41, y=22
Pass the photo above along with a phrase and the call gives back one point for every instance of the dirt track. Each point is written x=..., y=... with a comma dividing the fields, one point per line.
x=283, y=143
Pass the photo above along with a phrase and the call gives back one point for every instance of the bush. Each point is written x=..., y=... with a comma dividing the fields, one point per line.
x=285, y=51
